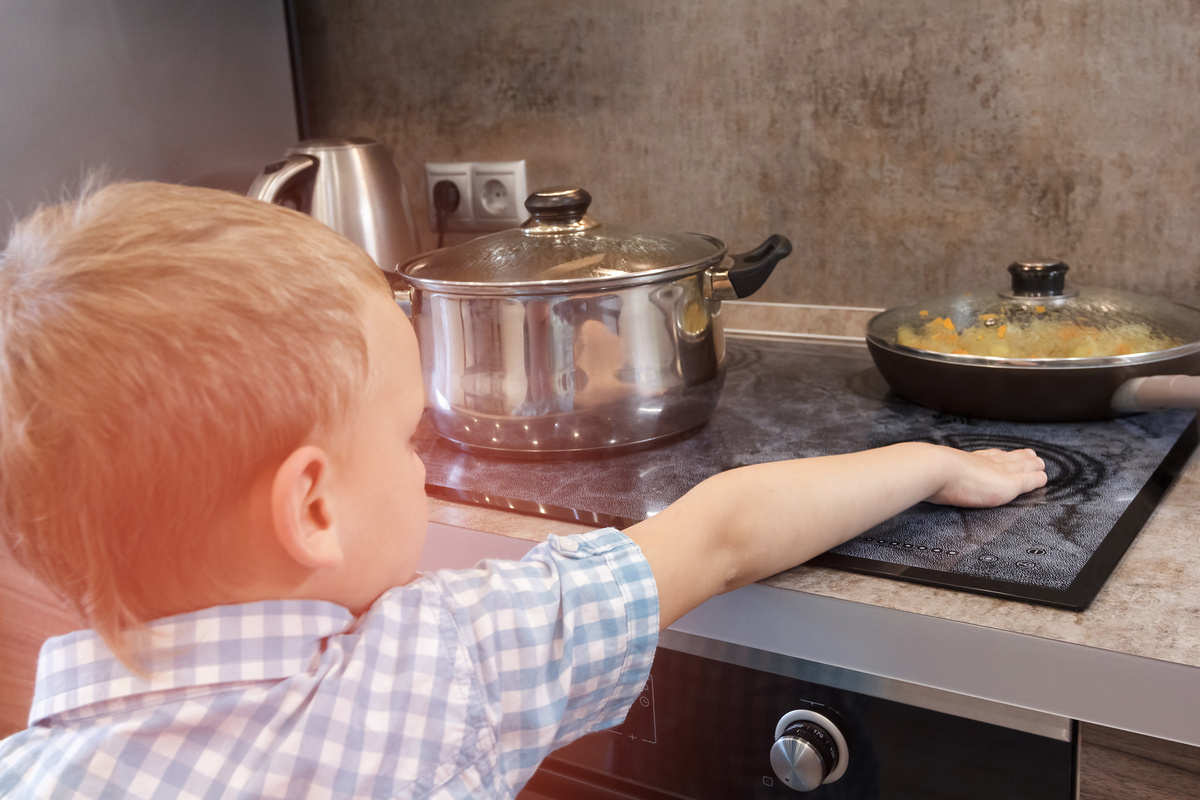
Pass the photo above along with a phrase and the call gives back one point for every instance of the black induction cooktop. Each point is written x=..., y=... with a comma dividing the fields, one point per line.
x=794, y=398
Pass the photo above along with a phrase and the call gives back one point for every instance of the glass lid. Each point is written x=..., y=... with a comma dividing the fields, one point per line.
x=561, y=247
x=1039, y=318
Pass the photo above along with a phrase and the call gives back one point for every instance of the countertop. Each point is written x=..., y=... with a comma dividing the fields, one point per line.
x=1131, y=661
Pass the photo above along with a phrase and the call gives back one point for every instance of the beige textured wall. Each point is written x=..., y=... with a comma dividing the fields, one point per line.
x=908, y=147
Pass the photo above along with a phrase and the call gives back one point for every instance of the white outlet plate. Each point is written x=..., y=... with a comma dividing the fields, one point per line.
x=498, y=194
x=491, y=194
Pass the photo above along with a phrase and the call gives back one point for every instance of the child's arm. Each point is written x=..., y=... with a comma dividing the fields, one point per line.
x=746, y=524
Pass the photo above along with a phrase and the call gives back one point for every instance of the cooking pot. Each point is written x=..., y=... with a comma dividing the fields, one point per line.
x=569, y=335
x=350, y=184
x=1070, y=355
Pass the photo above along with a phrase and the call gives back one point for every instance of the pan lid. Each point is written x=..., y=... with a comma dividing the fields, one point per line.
x=1040, y=319
x=562, y=248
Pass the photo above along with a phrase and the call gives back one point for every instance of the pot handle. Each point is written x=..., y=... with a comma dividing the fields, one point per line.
x=744, y=274
x=402, y=292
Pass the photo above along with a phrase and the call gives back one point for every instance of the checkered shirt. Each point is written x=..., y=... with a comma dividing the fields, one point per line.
x=453, y=686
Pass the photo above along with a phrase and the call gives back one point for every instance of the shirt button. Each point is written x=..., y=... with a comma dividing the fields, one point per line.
x=568, y=545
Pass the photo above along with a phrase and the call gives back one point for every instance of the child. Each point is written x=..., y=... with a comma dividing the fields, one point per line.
x=207, y=405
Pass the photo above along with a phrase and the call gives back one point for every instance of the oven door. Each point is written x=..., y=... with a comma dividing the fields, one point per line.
x=707, y=720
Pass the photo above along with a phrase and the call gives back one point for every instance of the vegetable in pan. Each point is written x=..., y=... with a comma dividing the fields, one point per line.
x=1040, y=335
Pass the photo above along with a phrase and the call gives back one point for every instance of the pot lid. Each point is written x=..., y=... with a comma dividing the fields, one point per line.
x=1040, y=319
x=561, y=248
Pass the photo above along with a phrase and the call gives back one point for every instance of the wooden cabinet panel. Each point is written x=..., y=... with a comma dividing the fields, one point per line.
x=29, y=614
x=1116, y=765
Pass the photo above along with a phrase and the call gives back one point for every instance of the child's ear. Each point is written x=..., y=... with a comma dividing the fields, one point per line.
x=301, y=509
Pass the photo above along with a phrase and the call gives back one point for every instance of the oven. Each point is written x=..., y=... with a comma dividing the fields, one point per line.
x=718, y=721
x=723, y=721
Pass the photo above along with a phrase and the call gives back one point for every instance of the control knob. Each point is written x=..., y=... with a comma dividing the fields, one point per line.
x=809, y=750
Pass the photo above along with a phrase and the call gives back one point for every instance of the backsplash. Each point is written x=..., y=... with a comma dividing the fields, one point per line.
x=907, y=147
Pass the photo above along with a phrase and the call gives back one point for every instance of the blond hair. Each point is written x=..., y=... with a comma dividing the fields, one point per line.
x=161, y=345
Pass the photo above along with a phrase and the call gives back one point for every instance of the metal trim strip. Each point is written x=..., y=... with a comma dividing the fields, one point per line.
x=1050, y=726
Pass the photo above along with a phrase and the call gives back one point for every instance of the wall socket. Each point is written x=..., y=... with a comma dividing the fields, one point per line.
x=491, y=194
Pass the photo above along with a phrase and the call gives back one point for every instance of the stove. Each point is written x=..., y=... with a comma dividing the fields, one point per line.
x=792, y=397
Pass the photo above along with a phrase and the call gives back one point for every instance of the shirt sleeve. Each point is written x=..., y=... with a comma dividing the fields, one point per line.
x=563, y=640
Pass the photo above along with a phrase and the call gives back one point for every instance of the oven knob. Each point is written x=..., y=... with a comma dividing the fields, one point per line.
x=809, y=750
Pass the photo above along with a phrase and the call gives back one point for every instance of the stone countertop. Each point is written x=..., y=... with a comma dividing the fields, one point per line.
x=1147, y=613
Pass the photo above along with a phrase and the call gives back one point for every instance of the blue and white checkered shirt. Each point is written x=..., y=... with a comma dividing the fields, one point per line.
x=454, y=686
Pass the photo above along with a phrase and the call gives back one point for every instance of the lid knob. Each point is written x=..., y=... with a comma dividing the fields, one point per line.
x=1038, y=278
x=560, y=205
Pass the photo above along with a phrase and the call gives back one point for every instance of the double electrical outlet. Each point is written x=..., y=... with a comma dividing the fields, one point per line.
x=491, y=194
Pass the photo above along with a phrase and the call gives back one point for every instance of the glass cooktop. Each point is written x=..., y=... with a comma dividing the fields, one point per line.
x=794, y=398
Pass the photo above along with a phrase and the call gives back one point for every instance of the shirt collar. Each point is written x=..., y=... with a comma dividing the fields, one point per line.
x=225, y=644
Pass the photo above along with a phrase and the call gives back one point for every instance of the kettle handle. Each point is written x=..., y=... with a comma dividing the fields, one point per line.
x=275, y=177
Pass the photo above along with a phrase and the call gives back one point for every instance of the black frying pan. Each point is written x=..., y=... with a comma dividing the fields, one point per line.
x=1047, y=389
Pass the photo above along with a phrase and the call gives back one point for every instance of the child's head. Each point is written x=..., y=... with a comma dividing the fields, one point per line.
x=162, y=349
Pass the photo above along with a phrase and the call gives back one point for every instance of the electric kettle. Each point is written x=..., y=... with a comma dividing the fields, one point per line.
x=352, y=185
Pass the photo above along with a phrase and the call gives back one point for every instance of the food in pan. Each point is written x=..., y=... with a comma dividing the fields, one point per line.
x=1037, y=336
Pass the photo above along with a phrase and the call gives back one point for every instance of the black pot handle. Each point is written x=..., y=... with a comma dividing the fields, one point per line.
x=749, y=271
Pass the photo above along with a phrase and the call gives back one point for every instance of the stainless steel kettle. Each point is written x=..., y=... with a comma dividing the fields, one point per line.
x=353, y=186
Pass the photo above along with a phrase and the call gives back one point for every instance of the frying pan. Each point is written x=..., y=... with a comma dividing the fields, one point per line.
x=1043, y=389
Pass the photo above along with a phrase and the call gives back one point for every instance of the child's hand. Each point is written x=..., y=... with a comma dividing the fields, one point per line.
x=986, y=478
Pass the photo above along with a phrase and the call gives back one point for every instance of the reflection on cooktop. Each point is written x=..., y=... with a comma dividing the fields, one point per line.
x=792, y=399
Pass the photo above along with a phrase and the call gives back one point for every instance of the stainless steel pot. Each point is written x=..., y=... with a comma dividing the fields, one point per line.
x=1088, y=383
x=569, y=336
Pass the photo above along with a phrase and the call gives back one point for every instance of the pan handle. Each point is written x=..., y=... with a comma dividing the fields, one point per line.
x=1157, y=391
x=744, y=274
